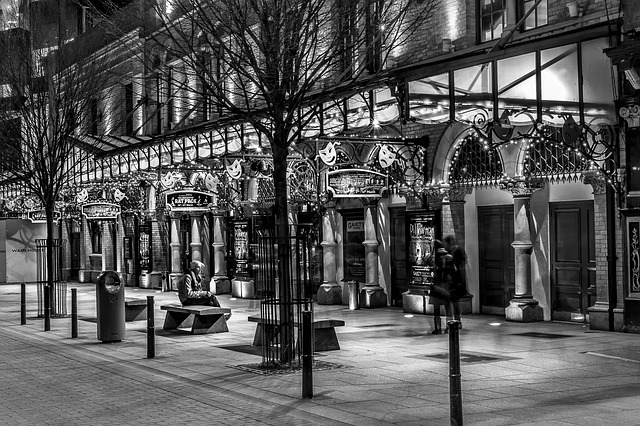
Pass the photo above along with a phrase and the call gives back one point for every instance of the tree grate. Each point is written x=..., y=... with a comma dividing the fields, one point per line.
x=271, y=370
x=540, y=335
x=470, y=357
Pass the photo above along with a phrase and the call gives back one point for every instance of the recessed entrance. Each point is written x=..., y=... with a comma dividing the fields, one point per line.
x=573, y=265
x=497, y=266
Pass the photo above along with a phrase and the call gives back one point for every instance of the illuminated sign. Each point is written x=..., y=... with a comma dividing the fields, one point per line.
x=100, y=210
x=356, y=183
x=40, y=216
x=189, y=200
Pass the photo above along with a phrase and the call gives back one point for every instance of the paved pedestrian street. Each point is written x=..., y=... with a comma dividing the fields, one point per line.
x=389, y=370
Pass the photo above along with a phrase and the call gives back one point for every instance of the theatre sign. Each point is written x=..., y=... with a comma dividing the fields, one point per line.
x=100, y=211
x=356, y=183
x=188, y=201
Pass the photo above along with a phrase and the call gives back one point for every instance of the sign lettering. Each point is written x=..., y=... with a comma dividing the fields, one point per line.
x=101, y=210
x=356, y=183
x=189, y=200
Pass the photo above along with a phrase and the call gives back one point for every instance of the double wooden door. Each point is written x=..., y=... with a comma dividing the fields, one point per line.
x=572, y=259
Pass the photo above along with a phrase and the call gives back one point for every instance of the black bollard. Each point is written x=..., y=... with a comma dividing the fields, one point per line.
x=455, y=387
x=74, y=313
x=151, y=329
x=307, y=354
x=23, y=304
x=47, y=308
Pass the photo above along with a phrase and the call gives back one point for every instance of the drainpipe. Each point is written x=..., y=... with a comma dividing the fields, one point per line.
x=611, y=255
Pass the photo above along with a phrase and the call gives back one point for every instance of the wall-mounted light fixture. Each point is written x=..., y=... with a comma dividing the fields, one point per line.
x=446, y=45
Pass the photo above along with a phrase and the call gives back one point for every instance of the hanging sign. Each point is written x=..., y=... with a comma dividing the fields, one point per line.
x=40, y=216
x=356, y=183
x=188, y=201
x=100, y=211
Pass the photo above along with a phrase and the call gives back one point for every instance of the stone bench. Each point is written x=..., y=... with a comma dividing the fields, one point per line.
x=199, y=318
x=325, y=338
x=135, y=309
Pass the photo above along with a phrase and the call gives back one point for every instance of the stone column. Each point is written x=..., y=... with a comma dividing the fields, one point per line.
x=523, y=307
x=329, y=292
x=453, y=212
x=174, y=244
x=371, y=295
x=84, y=273
x=220, y=283
x=196, y=242
x=453, y=224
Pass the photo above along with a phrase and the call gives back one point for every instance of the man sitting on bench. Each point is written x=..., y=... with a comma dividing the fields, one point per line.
x=190, y=290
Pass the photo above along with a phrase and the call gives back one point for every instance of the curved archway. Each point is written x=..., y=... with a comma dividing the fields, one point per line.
x=464, y=158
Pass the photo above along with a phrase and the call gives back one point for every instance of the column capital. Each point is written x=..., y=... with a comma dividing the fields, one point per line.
x=521, y=187
x=596, y=180
x=369, y=202
x=447, y=194
x=455, y=194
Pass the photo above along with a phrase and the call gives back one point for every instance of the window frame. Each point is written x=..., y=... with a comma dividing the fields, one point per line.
x=481, y=15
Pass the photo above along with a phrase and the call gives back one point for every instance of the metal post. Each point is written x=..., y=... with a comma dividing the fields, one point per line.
x=455, y=387
x=23, y=303
x=151, y=329
x=47, y=308
x=74, y=313
x=307, y=354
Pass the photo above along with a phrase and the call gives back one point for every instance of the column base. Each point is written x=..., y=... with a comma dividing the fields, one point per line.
x=220, y=285
x=329, y=294
x=416, y=301
x=373, y=296
x=524, y=310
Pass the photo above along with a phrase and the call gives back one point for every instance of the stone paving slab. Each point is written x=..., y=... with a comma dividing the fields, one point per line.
x=393, y=372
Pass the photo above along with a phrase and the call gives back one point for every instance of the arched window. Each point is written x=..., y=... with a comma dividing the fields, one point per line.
x=475, y=162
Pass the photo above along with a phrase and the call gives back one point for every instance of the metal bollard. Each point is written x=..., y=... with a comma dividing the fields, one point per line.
x=151, y=329
x=47, y=308
x=74, y=313
x=455, y=387
x=307, y=354
x=23, y=304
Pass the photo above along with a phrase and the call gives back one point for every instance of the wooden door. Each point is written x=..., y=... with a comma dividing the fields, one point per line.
x=573, y=265
x=74, y=244
x=399, y=281
x=496, y=258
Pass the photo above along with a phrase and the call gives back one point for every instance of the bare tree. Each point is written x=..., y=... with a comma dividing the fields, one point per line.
x=271, y=64
x=49, y=84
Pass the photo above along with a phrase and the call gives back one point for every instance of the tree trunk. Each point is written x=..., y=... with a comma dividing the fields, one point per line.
x=48, y=289
x=280, y=153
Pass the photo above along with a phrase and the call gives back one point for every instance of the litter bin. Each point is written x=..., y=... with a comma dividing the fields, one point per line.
x=354, y=295
x=110, y=307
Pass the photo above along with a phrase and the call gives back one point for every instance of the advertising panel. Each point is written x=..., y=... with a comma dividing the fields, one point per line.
x=422, y=235
x=21, y=250
x=241, y=242
x=354, y=253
